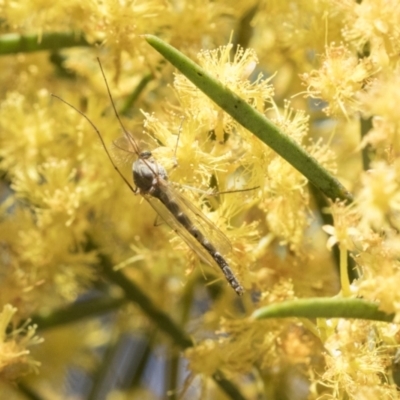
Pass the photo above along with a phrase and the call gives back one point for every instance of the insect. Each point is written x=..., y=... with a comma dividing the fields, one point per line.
x=151, y=181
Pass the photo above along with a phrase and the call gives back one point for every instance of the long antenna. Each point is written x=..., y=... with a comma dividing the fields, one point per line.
x=99, y=135
x=126, y=133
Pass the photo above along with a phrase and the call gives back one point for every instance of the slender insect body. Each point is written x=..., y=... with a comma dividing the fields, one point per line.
x=151, y=179
x=185, y=219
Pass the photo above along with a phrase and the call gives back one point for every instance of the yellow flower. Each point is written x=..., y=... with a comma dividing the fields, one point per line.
x=379, y=197
x=356, y=367
x=372, y=22
x=15, y=360
x=339, y=80
x=344, y=230
x=232, y=73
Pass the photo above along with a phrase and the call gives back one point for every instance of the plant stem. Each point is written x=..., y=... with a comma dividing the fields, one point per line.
x=135, y=294
x=12, y=43
x=77, y=311
x=344, y=276
x=130, y=101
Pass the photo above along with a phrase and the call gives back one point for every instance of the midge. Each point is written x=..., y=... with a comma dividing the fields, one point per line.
x=190, y=223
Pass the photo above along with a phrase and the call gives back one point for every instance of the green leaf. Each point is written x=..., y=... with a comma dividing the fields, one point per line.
x=253, y=120
x=324, y=308
x=12, y=43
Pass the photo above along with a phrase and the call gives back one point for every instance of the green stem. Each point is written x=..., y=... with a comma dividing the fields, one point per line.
x=253, y=120
x=227, y=386
x=130, y=101
x=77, y=311
x=12, y=43
x=106, y=368
x=324, y=308
x=27, y=391
x=366, y=126
x=141, y=360
x=135, y=294
x=172, y=374
x=344, y=276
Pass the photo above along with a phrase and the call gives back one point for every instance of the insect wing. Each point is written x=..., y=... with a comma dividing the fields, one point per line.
x=122, y=153
x=123, y=144
x=216, y=237
x=168, y=217
x=207, y=228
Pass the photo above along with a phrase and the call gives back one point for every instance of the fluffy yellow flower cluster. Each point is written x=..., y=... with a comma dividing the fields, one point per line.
x=75, y=241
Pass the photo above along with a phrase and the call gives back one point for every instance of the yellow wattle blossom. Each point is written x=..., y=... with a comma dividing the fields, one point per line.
x=356, y=366
x=66, y=216
x=235, y=74
x=15, y=359
x=373, y=23
x=379, y=196
x=379, y=102
x=344, y=231
x=340, y=80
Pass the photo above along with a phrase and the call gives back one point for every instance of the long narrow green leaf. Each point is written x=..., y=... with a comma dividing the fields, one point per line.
x=253, y=120
x=11, y=43
x=324, y=308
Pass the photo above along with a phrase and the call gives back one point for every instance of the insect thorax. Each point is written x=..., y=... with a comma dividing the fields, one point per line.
x=147, y=172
